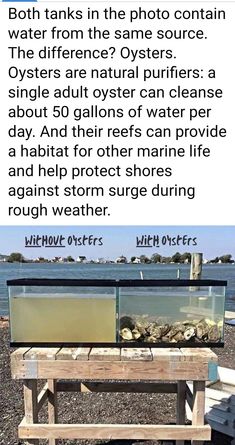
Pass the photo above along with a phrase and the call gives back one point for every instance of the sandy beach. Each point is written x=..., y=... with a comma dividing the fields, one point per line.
x=96, y=407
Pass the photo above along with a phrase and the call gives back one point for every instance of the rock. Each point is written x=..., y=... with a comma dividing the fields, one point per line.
x=126, y=334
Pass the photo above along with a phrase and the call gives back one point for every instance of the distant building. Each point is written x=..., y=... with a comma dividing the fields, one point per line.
x=121, y=259
x=55, y=259
x=100, y=261
x=136, y=261
x=81, y=259
x=205, y=261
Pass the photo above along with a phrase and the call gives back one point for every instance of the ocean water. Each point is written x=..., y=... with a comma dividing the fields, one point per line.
x=112, y=271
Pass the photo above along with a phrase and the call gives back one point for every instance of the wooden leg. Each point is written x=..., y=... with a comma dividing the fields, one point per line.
x=52, y=406
x=181, y=399
x=198, y=412
x=30, y=406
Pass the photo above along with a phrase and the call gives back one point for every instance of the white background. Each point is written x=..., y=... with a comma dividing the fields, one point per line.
x=212, y=177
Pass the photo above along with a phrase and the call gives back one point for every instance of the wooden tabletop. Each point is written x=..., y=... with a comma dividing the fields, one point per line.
x=113, y=363
x=116, y=354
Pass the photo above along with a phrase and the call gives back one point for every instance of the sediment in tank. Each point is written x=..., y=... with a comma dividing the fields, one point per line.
x=63, y=319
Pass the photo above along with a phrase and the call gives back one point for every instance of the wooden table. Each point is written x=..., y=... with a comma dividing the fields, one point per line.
x=147, y=370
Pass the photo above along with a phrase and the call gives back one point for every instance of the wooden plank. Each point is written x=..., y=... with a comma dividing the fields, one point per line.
x=42, y=396
x=113, y=431
x=15, y=357
x=63, y=369
x=199, y=355
x=19, y=353
x=30, y=406
x=167, y=354
x=73, y=354
x=41, y=354
x=180, y=411
x=198, y=403
x=24, y=369
x=198, y=411
x=136, y=354
x=104, y=354
x=67, y=354
x=123, y=370
x=82, y=353
x=52, y=406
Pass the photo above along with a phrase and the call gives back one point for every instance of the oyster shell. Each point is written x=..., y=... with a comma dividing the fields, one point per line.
x=179, y=326
x=154, y=330
x=165, y=328
x=136, y=334
x=151, y=339
x=210, y=322
x=175, y=331
x=214, y=333
x=202, y=330
x=157, y=332
x=152, y=327
x=142, y=326
x=178, y=337
x=189, y=333
x=126, y=334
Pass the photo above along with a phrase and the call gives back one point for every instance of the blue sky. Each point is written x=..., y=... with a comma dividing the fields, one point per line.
x=118, y=240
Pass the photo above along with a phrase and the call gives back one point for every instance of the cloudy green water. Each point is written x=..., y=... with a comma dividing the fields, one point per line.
x=112, y=271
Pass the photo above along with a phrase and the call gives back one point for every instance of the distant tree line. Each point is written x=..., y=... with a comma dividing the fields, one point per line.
x=157, y=258
x=17, y=257
x=178, y=258
x=223, y=259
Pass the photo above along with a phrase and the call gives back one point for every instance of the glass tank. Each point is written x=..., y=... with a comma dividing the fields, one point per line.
x=135, y=313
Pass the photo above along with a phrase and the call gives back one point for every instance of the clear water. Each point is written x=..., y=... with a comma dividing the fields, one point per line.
x=172, y=315
x=112, y=271
x=176, y=305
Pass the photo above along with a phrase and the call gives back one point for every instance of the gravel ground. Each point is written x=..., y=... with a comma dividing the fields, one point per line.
x=97, y=407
